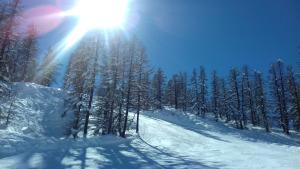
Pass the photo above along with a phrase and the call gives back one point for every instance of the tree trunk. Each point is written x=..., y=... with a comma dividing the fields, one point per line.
x=91, y=90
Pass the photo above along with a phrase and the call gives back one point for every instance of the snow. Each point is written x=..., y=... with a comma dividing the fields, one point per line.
x=217, y=145
x=168, y=139
x=39, y=108
x=26, y=130
x=36, y=116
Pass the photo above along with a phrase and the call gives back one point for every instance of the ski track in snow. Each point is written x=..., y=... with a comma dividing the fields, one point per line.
x=167, y=140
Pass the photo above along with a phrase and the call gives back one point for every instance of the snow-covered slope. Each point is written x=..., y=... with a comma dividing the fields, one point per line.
x=168, y=139
x=36, y=114
x=213, y=144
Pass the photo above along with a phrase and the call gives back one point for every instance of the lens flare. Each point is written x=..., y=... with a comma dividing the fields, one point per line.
x=45, y=18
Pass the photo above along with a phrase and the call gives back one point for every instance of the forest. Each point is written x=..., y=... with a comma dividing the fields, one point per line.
x=137, y=84
x=108, y=77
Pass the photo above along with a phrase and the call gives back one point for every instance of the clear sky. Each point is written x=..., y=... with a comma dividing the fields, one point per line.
x=218, y=34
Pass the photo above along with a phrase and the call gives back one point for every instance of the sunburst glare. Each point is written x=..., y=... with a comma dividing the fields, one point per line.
x=104, y=15
x=100, y=14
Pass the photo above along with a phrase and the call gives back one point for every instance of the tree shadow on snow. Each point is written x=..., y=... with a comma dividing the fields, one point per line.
x=144, y=156
x=204, y=126
x=124, y=155
x=43, y=158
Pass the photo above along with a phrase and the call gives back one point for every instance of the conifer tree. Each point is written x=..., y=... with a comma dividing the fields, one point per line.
x=235, y=98
x=48, y=69
x=278, y=86
x=157, y=88
x=196, y=104
x=260, y=100
x=215, y=95
x=294, y=93
x=9, y=38
x=203, y=91
x=247, y=103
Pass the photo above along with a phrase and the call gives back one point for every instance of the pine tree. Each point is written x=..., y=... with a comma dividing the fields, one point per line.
x=235, y=98
x=28, y=67
x=294, y=92
x=91, y=73
x=260, y=100
x=130, y=82
x=169, y=93
x=278, y=85
x=176, y=80
x=224, y=101
x=142, y=83
x=215, y=95
x=185, y=99
x=203, y=91
x=196, y=104
x=75, y=82
x=247, y=103
x=157, y=88
x=104, y=97
x=8, y=38
x=48, y=69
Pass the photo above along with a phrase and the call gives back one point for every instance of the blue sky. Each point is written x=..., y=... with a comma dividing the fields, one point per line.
x=182, y=34
x=218, y=34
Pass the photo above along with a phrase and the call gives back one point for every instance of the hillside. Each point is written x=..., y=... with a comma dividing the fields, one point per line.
x=168, y=139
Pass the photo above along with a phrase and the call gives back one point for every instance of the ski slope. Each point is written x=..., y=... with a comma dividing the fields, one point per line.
x=168, y=139
x=165, y=142
x=200, y=143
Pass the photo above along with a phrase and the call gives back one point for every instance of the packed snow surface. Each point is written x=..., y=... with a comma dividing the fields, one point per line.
x=168, y=139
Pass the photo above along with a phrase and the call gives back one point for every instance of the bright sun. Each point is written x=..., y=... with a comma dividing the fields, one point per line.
x=101, y=14
x=96, y=14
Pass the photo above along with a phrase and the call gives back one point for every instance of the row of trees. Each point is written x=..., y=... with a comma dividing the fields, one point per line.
x=19, y=48
x=17, y=52
x=107, y=80
x=242, y=98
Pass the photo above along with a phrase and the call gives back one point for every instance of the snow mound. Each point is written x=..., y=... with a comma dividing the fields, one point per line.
x=37, y=112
